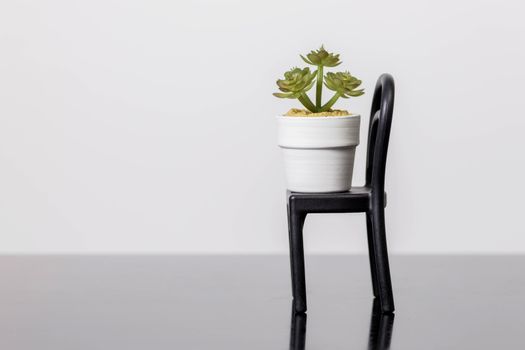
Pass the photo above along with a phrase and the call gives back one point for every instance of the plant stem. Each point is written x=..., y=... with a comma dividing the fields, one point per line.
x=305, y=100
x=330, y=103
x=319, y=88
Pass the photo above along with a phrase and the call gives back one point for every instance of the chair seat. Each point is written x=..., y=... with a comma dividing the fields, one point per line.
x=356, y=200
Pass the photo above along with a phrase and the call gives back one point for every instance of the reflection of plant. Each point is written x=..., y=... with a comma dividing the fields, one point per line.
x=298, y=81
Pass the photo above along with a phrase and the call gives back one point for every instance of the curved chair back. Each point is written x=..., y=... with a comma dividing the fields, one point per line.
x=379, y=134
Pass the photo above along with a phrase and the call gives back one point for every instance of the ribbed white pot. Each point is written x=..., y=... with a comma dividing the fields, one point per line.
x=318, y=152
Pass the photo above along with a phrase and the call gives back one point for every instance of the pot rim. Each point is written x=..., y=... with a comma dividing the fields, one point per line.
x=319, y=117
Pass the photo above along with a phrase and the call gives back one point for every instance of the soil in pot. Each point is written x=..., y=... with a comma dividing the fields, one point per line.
x=296, y=112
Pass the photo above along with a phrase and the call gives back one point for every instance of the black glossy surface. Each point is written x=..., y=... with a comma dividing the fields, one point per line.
x=369, y=199
x=240, y=302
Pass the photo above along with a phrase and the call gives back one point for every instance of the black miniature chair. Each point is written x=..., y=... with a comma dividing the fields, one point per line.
x=369, y=199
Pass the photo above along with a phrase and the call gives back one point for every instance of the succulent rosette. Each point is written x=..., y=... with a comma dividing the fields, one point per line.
x=344, y=84
x=321, y=57
x=295, y=83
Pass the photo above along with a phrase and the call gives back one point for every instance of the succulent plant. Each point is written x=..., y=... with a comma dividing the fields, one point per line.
x=298, y=81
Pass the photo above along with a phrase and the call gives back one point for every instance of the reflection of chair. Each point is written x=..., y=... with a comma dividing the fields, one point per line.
x=381, y=328
x=370, y=199
x=297, y=331
x=379, y=336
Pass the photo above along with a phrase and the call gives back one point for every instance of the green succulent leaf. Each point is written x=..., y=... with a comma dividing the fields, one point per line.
x=356, y=93
x=307, y=60
x=343, y=83
x=322, y=57
x=282, y=95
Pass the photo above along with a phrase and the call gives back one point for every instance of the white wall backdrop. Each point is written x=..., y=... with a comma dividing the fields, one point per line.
x=147, y=126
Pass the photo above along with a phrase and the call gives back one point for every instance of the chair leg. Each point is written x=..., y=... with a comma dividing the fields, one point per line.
x=371, y=254
x=295, y=224
x=380, y=252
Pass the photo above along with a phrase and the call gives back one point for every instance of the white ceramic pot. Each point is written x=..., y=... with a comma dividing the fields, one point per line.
x=318, y=152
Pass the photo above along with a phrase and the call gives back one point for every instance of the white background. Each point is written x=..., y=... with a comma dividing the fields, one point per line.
x=148, y=126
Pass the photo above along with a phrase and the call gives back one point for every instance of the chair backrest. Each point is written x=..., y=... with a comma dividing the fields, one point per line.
x=379, y=134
